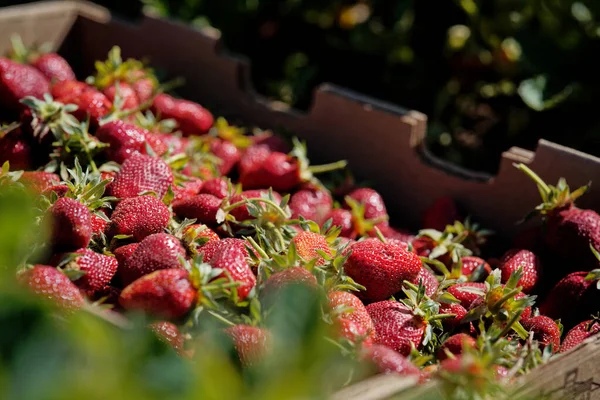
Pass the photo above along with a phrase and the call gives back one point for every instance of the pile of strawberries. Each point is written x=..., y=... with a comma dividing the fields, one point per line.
x=156, y=207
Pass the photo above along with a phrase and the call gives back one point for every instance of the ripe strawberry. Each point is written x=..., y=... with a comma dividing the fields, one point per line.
x=39, y=180
x=289, y=276
x=442, y=212
x=200, y=235
x=355, y=333
x=342, y=218
x=144, y=88
x=231, y=259
x=358, y=312
x=427, y=279
x=251, y=343
x=187, y=189
x=126, y=92
x=455, y=344
x=388, y=361
x=99, y=270
x=372, y=201
x=54, y=67
x=156, y=144
x=192, y=118
x=313, y=205
x=545, y=331
x=458, y=310
x=227, y=153
x=155, y=252
x=218, y=187
x=241, y=213
x=271, y=142
x=165, y=293
x=90, y=103
x=60, y=191
x=169, y=333
x=68, y=89
x=141, y=173
x=515, y=259
x=462, y=293
x=98, y=224
x=18, y=81
x=175, y=143
x=579, y=333
x=139, y=216
x=14, y=149
x=125, y=140
x=381, y=268
x=71, y=224
x=526, y=314
x=471, y=263
x=396, y=325
x=565, y=300
x=202, y=207
x=307, y=244
x=53, y=285
x=210, y=249
x=124, y=253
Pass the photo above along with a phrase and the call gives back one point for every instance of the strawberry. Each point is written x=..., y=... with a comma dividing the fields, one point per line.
x=54, y=67
x=515, y=259
x=218, y=187
x=232, y=260
x=126, y=93
x=458, y=310
x=39, y=180
x=371, y=200
x=313, y=205
x=463, y=292
x=192, y=118
x=455, y=345
x=53, y=285
x=156, y=144
x=241, y=213
x=188, y=188
x=427, y=279
x=289, y=276
x=155, y=252
x=125, y=140
x=579, y=333
x=68, y=89
x=526, y=314
x=571, y=287
x=200, y=235
x=228, y=154
x=210, y=249
x=343, y=219
x=354, y=308
x=355, y=333
x=251, y=343
x=176, y=143
x=396, y=326
x=18, y=81
x=139, y=216
x=90, y=103
x=381, y=268
x=271, y=142
x=307, y=244
x=165, y=293
x=142, y=173
x=169, y=333
x=545, y=331
x=472, y=263
x=99, y=269
x=98, y=224
x=202, y=207
x=392, y=233
x=442, y=212
x=71, y=224
x=144, y=88
x=388, y=361
x=14, y=149
x=124, y=253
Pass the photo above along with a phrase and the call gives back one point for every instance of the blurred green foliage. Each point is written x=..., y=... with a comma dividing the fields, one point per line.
x=490, y=74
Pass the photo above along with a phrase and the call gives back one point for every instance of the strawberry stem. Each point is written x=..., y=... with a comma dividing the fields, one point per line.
x=319, y=169
x=261, y=200
x=535, y=177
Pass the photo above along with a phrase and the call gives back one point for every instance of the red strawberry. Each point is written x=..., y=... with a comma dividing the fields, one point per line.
x=202, y=207
x=307, y=244
x=427, y=279
x=99, y=270
x=68, y=89
x=156, y=144
x=227, y=153
x=441, y=213
x=381, y=268
x=462, y=293
x=98, y=224
x=18, y=81
x=39, y=180
x=455, y=344
x=169, y=333
x=144, y=88
x=251, y=343
x=126, y=92
x=342, y=218
x=571, y=287
x=60, y=191
x=396, y=325
x=373, y=202
x=545, y=331
x=189, y=188
x=231, y=259
x=211, y=248
x=202, y=235
x=166, y=293
x=514, y=260
x=218, y=187
x=241, y=213
x=125, y=140
x=579, y=333
x=526, y=314
x=177, y=144
x=141, y=173
x=53, y=285
x=253, y=157
x=155, y=252
x=71, y=224
x=313, y=205
x=192, y=118
x=54, y=67
x=471, y=263
x=277, y=170
x=15, y=150
x=358, y=312
x=139, y=216
x=271, y=142
x=353, y=332
x=289, y=276
x=458, y=310
x=91, y=103
x=388, y=361
x=124, y=253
